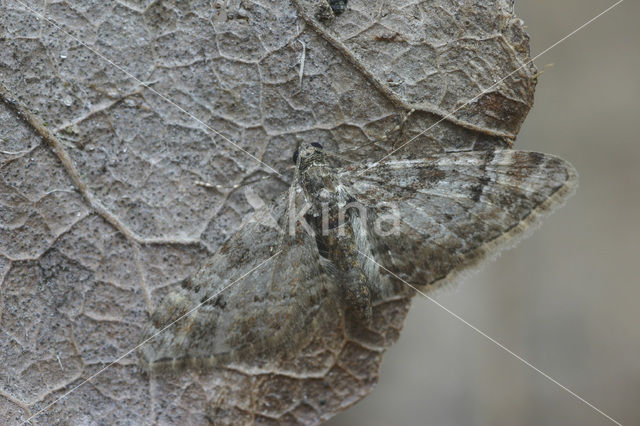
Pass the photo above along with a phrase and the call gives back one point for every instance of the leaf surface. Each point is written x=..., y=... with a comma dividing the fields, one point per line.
x=111, y=111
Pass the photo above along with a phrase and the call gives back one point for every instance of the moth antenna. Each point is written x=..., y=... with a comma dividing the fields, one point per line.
x=338, y=156
x=243, y=183
x=404, y=120
x=302, y=59
x=385, y=137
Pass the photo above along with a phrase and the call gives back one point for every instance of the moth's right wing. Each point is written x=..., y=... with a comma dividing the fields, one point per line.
x=454, y=209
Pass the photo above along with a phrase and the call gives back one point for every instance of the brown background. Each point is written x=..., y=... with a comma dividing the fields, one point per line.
x=567, y=298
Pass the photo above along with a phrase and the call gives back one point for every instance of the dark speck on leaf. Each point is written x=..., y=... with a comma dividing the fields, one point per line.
x=338, y=6
x=219, y=301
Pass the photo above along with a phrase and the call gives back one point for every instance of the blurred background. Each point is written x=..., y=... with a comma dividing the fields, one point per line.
x=566, y=299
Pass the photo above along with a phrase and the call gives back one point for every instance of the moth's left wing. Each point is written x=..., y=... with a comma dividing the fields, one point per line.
x=261, y=297
x=454, y=209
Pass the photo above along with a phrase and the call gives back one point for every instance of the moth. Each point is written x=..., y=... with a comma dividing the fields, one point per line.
x=344, y=238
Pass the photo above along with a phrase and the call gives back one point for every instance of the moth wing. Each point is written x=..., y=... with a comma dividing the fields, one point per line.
x=269, y=292
x=454, y=209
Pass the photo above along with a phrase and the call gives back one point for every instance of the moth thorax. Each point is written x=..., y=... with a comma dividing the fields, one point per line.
x=316, y=175
x=325, y=195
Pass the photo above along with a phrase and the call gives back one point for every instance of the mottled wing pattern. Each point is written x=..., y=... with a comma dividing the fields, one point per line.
x=456, y=209
x=266, y=309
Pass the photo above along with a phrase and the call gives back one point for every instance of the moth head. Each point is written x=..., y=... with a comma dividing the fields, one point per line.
x=306, y=151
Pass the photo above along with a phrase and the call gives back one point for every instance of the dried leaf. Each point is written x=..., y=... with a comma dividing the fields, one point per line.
x=128, y=104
